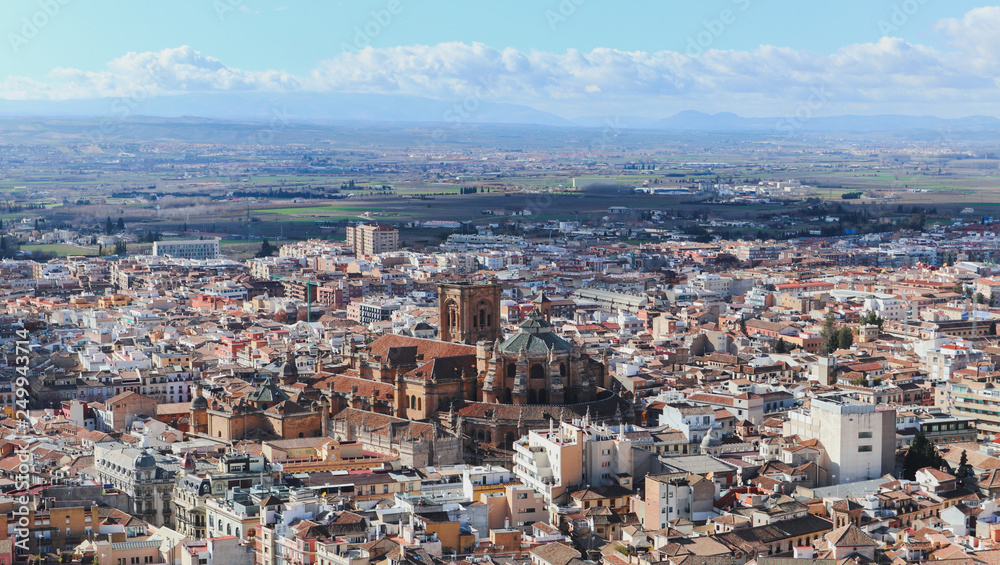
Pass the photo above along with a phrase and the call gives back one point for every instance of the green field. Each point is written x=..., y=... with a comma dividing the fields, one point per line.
x=60, y=249
x=317, y=210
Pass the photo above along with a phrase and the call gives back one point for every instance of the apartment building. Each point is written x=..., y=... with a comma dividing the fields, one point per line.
x=975, y=399
x=555, y=461
x=372, y=239
x=672, y=496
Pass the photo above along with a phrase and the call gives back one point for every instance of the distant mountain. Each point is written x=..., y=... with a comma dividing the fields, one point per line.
x=318, y=108
x=299, y=107
x=726, y=121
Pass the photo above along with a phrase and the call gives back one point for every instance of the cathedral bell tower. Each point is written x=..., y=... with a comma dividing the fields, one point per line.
x=469, y=312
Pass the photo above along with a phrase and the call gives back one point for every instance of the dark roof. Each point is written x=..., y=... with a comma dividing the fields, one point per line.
x=535, y=336
x=267, y=392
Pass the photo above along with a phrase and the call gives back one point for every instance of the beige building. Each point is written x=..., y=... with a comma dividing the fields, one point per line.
x=518, y=507
x=372, y=239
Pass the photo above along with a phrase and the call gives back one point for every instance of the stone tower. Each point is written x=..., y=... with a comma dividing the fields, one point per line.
x=469, y=312
x=198, y=413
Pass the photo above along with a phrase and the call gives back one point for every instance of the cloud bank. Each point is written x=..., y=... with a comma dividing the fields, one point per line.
x=887, y=76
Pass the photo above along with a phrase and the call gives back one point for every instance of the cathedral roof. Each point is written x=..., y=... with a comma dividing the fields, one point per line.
x=428, y=348
x=534, y=336
x=267, y=392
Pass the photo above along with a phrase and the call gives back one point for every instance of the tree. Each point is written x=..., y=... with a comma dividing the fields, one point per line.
x=121, y=224
x=872, y=319
x=781, y=346
x=964, y=470
x=743, y=326
x=980, y=299
x=958, y=288
x=108, y=226
x=921, y=453
x=266, y=249
x=829, y=336
x=845, y=338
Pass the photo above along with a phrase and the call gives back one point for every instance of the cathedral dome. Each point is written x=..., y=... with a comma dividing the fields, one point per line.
x=199, y=403
x=534, y=336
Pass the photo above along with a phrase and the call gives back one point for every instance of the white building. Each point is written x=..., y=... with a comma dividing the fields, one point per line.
x=859, y=441
x=198, y=249
x=892, y=309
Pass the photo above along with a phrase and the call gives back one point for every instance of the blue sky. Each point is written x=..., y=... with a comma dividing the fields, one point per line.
x=568, y=57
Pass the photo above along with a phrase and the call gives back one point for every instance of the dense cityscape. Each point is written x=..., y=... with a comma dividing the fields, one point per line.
x=568, y=284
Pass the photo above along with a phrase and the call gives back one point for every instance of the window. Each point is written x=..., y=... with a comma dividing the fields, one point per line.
x=864, y=435
x=522, y=495
x=864, y=448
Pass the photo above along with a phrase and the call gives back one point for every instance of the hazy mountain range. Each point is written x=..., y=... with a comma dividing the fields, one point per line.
x=286, y=108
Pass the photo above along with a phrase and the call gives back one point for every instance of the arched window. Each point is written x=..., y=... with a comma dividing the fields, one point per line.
x=420, y=403
x=489, y=436
x=532, y=396
x=482, y=318
x=480, y=435
x=536, y=372
x=511, y=371
x=543, y=396
x=562, y=370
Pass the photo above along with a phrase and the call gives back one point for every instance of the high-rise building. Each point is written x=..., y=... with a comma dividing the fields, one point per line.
x=372, y=239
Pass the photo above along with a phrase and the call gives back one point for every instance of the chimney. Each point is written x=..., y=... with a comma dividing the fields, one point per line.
x=506, y=523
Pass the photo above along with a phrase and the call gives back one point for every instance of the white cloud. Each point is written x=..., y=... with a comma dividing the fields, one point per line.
x=886, y=76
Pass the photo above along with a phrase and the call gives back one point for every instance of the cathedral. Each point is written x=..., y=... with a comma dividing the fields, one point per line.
x=474, y=382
